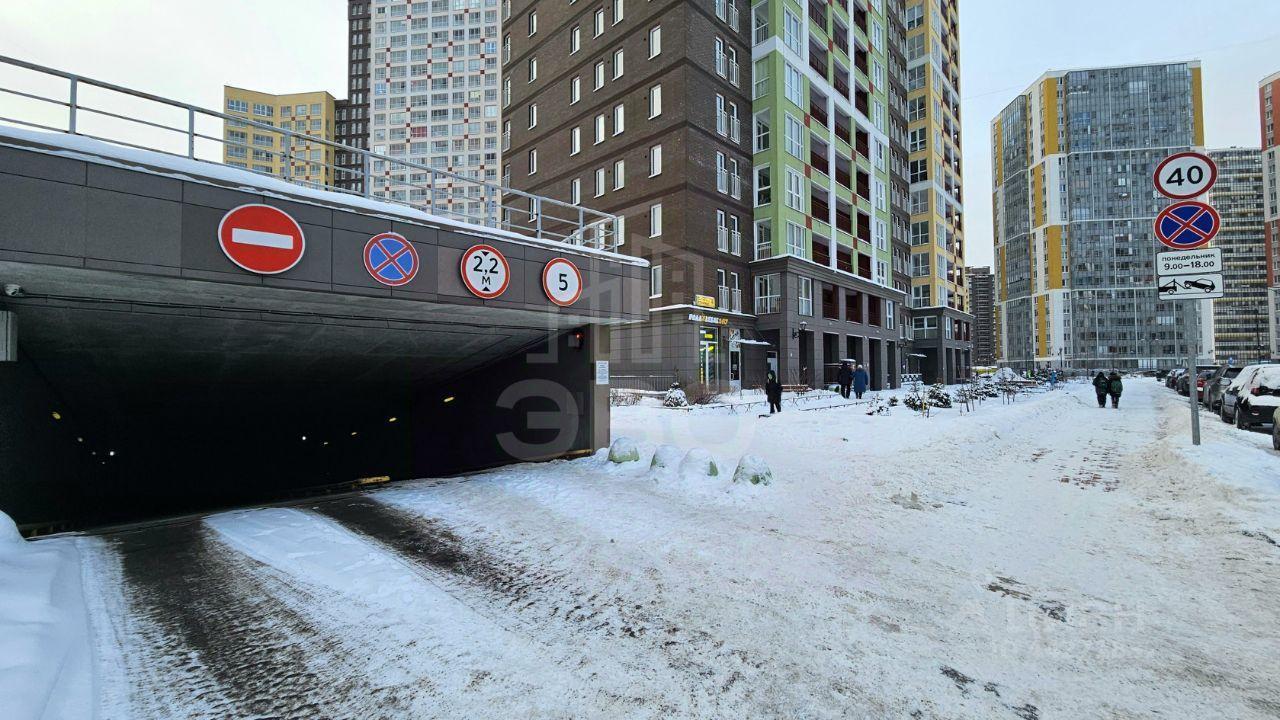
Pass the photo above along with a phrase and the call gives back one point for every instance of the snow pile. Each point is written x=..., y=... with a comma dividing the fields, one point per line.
x=666, y=457
x=624, y=450
x=45, y=661
x=675, y=397
x=1005, y=374
x=752, y=469
x=698, y=463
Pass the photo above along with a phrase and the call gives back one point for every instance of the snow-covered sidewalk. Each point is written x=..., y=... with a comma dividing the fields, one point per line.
x=1040, y=559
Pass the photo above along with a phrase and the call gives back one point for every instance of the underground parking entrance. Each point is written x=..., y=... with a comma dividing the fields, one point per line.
x=151, y=377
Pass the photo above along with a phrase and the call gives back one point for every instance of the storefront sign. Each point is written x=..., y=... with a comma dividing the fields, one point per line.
x=708, y=319
x=705, y=301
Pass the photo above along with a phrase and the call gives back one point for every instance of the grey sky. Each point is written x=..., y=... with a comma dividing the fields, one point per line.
x=188, y=49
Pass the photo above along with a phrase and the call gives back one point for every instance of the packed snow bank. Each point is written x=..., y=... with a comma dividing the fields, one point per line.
x=624, y=450
x=45, y=661
x=754, y=470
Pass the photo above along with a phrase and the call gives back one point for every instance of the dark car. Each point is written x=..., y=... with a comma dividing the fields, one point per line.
x=1171, y=380
x=1216, y=385
x=1252, y=398
x=1202, y=372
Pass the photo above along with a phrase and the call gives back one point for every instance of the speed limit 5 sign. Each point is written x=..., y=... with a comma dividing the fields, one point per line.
x=562, y=281
x=1185, y=175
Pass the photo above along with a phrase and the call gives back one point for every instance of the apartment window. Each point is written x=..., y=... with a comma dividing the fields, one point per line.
x=655, y=281
x=618, y=57
x=618, y=11
x=655, y=220
x=600, y=128
x=914, y=16
x=919, y=171
x=533, y=23
x=915, y=109
x=575, y=191
x=920, y=233
x=722, y=175
x=796, y=240
x=506, y=92
x=533, y=161
x=722, y=231
x=793, y=85
x=263, y=110
x=761, y=126
x=599, y=22
x=600, y=178
x=655, y=161
x=575, y=39
x=575, y=90
x=619, y=119
x=533, y=115
x=917, y=139
x=655, y=101
x=655, y=41
x=533, y=69
x=599, y=75
x=920, y=297
x=791, y=31
x=793, y=136
x=795, y=190
x=767, y=293
x=804, y=296
x=238, y=106
x=764, y=192
x=575, y=141
x=735, y=183
x=619, y=174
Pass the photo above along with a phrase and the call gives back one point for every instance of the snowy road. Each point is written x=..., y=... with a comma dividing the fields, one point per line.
x=1041, y=560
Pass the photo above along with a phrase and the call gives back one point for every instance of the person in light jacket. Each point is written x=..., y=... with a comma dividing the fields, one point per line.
x=860, y=380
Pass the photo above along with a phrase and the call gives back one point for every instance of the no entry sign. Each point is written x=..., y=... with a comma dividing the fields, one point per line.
x=261, y=239
x=562, y=282
x=1187, y=225
x=1185, y=175
x=485, y=271
x=391, y=259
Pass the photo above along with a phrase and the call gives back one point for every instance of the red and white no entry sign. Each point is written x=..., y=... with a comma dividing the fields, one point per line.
x=261, y=239
x=1185, y=175
x=562, y=281
x=485, y=271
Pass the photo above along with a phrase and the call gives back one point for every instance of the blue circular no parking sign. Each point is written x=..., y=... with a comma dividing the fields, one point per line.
x=391, y=259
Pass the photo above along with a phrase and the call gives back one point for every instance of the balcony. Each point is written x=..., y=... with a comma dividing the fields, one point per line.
x=729, y=299
x=770, y=304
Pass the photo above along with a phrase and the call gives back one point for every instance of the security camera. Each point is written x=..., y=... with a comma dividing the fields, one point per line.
x=12, y=290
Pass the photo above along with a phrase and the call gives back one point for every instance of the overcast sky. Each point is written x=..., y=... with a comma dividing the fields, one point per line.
x=188, y=49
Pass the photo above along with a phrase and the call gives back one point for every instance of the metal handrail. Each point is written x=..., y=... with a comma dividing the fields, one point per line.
x=574, y=225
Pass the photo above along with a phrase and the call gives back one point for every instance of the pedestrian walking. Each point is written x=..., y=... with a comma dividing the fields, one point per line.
x=1114, y=387
x=1101, y=387
x=773, y=391
x=844, y=377
x=860, y=380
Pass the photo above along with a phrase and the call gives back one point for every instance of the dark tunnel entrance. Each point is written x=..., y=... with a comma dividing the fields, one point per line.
x=122, y=411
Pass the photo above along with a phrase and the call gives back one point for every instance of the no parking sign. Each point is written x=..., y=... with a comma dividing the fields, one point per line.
x=391, y=259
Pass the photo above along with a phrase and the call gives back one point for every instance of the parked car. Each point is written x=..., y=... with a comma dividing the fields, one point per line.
x=1275, y=429
x=1216, y=385
x=1171, y=380
x=1252, y=398
x=1202, y=372
x=1162, y=374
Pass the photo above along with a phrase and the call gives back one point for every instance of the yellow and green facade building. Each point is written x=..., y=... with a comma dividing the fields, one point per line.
x=1073, y=210
x=275, y=153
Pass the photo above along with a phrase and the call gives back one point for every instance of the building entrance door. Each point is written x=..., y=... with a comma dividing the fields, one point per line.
x=708, y=356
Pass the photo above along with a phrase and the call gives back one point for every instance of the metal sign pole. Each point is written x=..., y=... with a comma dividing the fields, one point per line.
x=1194, y=394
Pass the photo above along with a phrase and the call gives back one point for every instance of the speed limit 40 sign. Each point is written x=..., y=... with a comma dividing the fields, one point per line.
x=1185, y=175
x=562, y=281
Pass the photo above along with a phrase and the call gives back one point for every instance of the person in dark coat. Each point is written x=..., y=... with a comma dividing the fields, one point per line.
x=1100, y=388
x=773, y=391
x=1114, y=387
x=860, y=380
x=844, y=378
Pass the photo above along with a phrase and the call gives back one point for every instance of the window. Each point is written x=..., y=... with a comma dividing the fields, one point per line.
x=263, y=110
x=722, y=231
x=533, y=115
x=618, y=57
x=600, y=175
x=796, y=240
x=795, y=190
x=919, y=171
x=920, y=265
x=575, y=141
x=767, y=293
x=655, y=220
x=506, y=92
x=764, y=193
x=575, y=191
x=793, y=136
x=915, y=16
x=920, y=233
x=793, y=85
x=533, y=69
x=618, y=11
x=804, y=296
x=655, y=161
x=655, y=281
x=917, y=140
x=915, y=109
x=655, y=41
x=599, y=75
x=600, y=128
x=533, y=161
x=238, y=106
x=533, y=23
x=575, y=39
x=655, y=101
x=575, y=90
x=619, y=174
x=920, y=298
x=599, y=23
x=791, y=31
x=619, y=119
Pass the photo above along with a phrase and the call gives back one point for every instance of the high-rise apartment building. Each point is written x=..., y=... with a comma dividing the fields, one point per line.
x=272, y=153
x=1074, y=207
x=981, y=285
x=432, y=91
x=750, y=151
x=1241, y=331
x=352, y=122
x=1268, y=91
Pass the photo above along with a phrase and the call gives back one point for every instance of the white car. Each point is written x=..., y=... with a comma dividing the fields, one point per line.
x=1253, y=397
